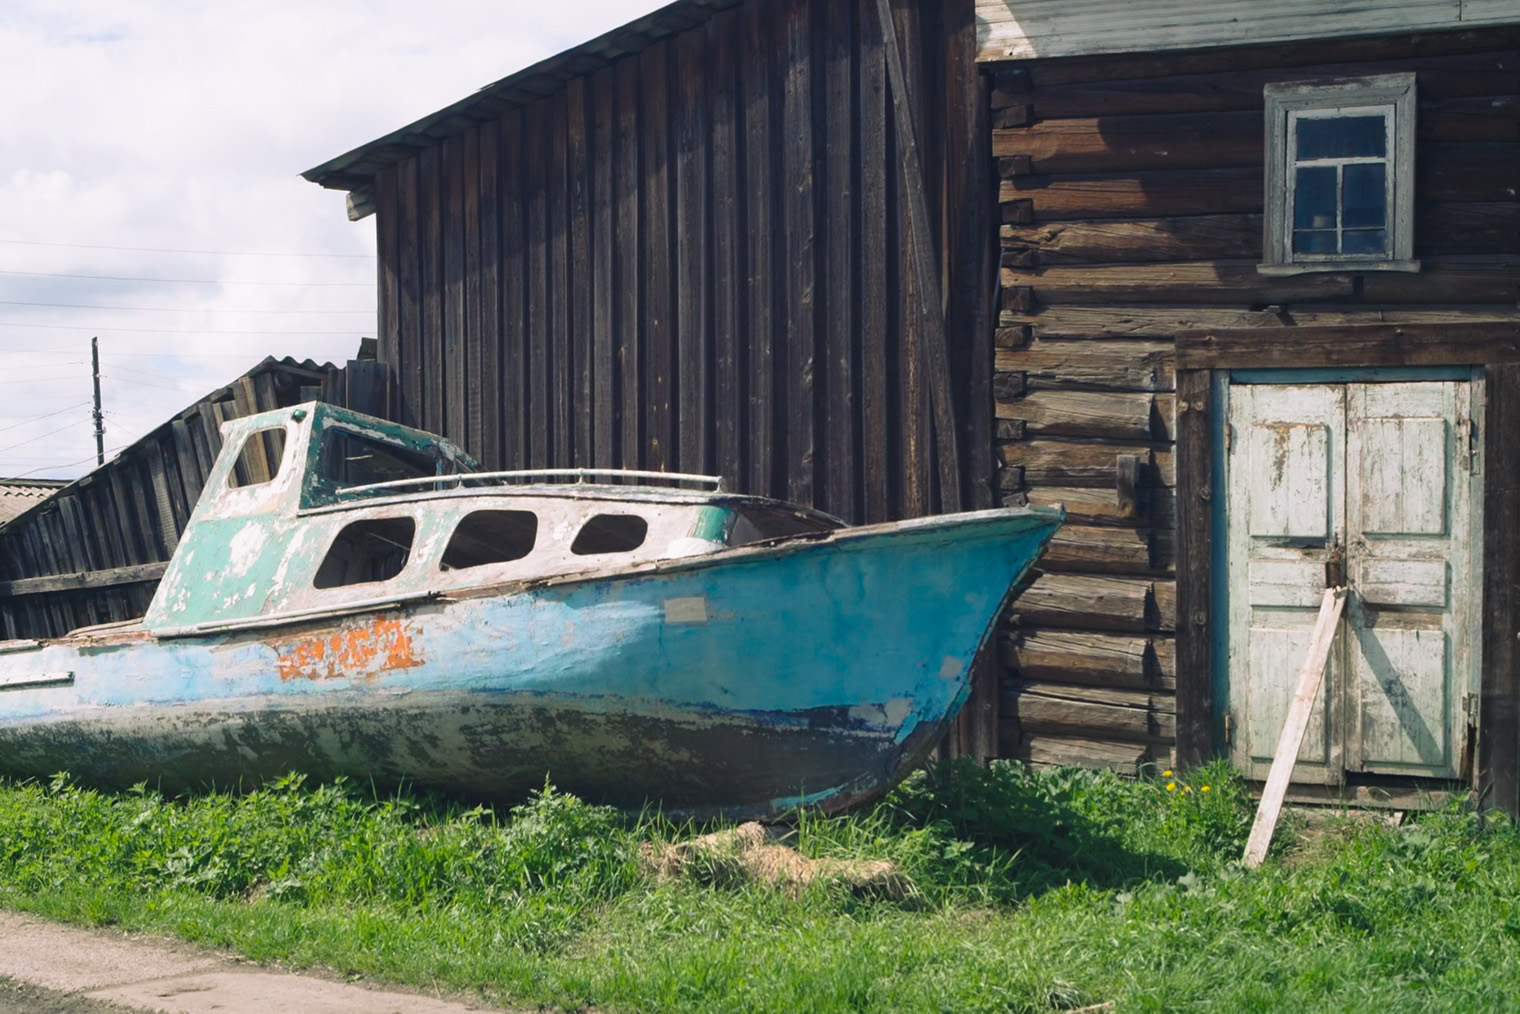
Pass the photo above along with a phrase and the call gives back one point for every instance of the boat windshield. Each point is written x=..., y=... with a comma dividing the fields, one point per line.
x=762, y=523
x=349, y=458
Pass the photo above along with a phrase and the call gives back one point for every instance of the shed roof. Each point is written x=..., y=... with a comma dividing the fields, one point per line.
x=16, y=495
x=356, y=169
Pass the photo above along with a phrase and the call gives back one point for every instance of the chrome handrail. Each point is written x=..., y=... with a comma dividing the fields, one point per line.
x=579, y=475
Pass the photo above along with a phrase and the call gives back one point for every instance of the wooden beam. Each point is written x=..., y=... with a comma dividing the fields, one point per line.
x=1292, y=737
x=83, y=580
x=1195, y=549
x=1455, y=344
x=1498, y=775
x=926, y=271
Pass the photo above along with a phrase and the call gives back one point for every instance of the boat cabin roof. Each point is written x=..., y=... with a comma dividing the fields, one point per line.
x=315, y=509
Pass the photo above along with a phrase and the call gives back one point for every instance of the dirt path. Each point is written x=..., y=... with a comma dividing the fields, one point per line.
x=50, y=969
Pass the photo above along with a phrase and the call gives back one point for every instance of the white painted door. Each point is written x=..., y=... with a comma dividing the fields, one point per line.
x=1382, y=474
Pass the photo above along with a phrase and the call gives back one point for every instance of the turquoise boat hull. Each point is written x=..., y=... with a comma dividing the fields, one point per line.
x=744, y=683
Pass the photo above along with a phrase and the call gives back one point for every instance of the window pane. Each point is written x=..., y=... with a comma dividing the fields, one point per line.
x=352, y=459
x=1305, y=241
x=372, y=550
x=1365, y=196
x=1314, y=198
x=610, y=533
x=491, y=537
x=1365, y=241
x=259, y=460
x=1342, y=137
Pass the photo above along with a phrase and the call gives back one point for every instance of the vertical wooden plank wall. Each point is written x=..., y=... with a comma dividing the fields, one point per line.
x=690, y=263
x=1130, y=191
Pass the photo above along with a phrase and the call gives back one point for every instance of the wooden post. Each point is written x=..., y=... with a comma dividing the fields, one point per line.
x=1292, y=737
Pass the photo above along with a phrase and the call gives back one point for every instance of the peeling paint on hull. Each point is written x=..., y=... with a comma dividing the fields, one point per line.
x=740, y=683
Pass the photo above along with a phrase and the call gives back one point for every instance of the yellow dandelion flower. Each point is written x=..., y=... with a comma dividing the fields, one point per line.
x=1187, y=788
x=1203, y=788
x=1171, y=786
x=1166, y=774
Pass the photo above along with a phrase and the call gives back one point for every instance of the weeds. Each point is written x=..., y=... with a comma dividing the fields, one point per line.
x=1030, y=892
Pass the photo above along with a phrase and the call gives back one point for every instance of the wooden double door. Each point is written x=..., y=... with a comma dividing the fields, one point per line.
x=1382, y=479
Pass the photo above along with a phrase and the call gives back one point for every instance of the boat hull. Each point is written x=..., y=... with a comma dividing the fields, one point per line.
x=742, y=684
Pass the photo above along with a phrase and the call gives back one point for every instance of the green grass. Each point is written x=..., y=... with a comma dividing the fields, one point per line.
x=1033, y=892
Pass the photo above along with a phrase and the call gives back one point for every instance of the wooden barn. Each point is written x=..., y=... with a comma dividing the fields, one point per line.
x=1235, y=283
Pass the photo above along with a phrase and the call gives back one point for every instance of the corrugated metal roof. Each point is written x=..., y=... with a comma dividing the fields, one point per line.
x=17, y=495
x=356, y=169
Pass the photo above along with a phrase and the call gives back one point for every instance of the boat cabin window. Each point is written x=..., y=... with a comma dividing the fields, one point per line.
x=352, y=459
x=259, y=459
x=375, y=549
x=761, y=524
x=491, y=537
x=610, y=533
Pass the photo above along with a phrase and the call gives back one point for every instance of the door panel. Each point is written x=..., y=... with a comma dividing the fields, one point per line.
x=1276, y=656
x=1291, y=466
x=1403, y=476
x=1404, y=702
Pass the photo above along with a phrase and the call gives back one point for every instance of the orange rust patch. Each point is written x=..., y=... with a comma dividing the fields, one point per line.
x=376, y=647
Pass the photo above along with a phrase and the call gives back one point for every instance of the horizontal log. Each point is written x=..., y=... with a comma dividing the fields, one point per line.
x=1479, y=228
x=1185, y=238
x=1087, y=602
x=84, y=580
x=1086, y=323
x=1092, y=549
x=1124, y=143
x=1105, y=415
x=1366, y=345
x=1191, y=282
x=1155, y=194
x=1075, y=752
x=1215, y=140
x=1051, y=462
x=1058, y=656
x=1113, y=366
x=1492, y=279
x=1476, y=48
x=1165, y=651
x=1159, y=701
x=1447, y=173
x=1232, y=91
x=1037, y=713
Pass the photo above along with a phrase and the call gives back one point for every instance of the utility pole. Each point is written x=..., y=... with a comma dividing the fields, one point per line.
x=100, y=429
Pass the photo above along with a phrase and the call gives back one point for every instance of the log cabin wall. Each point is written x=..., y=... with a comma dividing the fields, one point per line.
x=1131, y=197
x=694, y=254
x=93, y=552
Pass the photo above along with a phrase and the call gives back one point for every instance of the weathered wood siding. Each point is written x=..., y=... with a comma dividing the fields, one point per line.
x=1131, y=192
x=697, y=258
x=93, y=552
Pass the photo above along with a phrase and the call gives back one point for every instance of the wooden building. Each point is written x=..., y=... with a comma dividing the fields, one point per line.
x=1256, y=270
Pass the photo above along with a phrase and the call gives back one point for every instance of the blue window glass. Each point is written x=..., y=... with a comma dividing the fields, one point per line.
x=1365, y=195
x=1342, y=137
x=1314, y=198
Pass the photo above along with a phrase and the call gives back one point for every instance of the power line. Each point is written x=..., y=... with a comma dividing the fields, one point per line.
x=43, y=436
x=39, y=418
x=183, y=281
x=166, y=249
x=166, y=309
x=155, y=330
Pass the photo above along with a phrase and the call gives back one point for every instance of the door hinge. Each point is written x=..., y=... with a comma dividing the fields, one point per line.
x=1229, y=437
x=1474, y=459
x=1229, y=730
x=1470, y=708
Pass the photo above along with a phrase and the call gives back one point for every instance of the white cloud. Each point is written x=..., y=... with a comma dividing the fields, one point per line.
x=184, y=126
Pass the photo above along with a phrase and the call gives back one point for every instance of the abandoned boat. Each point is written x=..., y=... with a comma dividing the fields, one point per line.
x=351, y=597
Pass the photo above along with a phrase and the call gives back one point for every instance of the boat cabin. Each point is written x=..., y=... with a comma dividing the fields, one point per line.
x=316, y=509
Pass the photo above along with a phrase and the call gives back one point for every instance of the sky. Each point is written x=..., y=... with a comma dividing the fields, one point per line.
x=150, y=194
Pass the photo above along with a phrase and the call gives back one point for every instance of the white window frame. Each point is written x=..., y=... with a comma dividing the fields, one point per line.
x=1392, y=95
